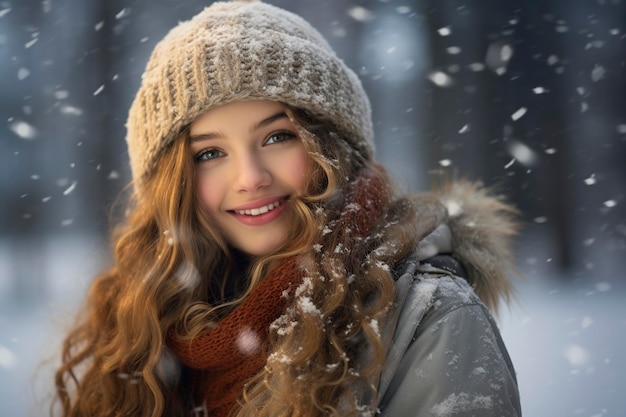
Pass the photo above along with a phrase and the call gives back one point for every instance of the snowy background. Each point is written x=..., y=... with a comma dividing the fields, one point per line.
x=525, y=95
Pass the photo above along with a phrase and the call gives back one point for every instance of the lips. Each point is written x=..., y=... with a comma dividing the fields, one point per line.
x=260, y=212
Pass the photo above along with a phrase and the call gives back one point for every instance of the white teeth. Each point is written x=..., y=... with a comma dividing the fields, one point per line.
x=259, y=210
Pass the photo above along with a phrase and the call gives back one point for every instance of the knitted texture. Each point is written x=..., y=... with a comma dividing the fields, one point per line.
x=241, y=50
x=237, y=347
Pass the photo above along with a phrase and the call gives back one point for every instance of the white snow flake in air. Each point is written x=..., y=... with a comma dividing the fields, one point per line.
x=552, y=60
x=539, y=90
x=476, y=66
x=8, y=359
x=71, y=110
x=440, y=79
x=187, y=274
x=519, y=113
x=610, y=203
x=99, y=25
x=99, y=90
x=122, y=13
x=22, y=73
x=621, y=128
x=591, y=180
x=248, y=342
x=113, y=175
x=541, y=219
x=576, y=355
x=361, y=14
x=167, y=367
x=23, y=130
x=5, y=11
x=597, y=73
x=61, y=94
x=444, y=31
x=550, y=151
x=453, y=50
x=589, y=242
x=445, y=162
x=522, y=153
x=70, y=188
x=464, y=129
x=561, y=29
x=584, y=107
x=31, y=43
x=498, y=56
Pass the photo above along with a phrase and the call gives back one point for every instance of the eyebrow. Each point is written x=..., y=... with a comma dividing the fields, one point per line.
x=265, y=122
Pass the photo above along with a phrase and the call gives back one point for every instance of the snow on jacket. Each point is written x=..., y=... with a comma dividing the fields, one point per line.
x=447, y=358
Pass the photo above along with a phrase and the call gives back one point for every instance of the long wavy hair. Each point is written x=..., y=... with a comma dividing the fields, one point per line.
x=172, y=271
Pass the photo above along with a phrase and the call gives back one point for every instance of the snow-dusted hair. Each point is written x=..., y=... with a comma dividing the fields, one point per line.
x=115, y=361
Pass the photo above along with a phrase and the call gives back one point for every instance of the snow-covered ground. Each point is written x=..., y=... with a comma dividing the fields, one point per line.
x=567, y=340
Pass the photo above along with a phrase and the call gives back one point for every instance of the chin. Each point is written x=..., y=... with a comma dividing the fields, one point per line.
x=262, y=249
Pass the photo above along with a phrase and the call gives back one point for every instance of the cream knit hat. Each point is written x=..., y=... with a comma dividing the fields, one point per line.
x=241, y=50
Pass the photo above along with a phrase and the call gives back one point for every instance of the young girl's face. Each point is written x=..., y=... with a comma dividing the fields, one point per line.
x=250, y=163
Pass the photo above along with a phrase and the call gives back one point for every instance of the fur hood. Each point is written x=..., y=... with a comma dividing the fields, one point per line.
x=477, y=227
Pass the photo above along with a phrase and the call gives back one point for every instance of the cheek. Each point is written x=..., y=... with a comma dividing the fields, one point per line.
x=298, y=169
x=208, y=193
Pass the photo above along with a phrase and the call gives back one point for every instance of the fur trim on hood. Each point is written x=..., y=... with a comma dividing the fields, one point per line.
x=479, y=233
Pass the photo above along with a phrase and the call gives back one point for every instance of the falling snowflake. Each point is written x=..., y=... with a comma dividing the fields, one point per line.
x=444, y=31
x=23, y=130
x=519, y=113
x=440, y=79
x=591, y=180
x=523, y=153
x=576, y=355
x=361, y=14
x=22, y=73
x=8, y=359
x=98, y=90
x=248, y=342
x=597, y=73
x=70, y=188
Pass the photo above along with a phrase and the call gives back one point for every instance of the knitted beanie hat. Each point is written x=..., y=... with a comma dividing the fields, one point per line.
x=241, y=50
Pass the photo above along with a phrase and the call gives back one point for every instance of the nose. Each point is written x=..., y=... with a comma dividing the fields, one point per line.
x=253, y=173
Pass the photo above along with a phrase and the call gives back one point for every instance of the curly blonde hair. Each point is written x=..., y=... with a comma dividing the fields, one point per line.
x=115, y=361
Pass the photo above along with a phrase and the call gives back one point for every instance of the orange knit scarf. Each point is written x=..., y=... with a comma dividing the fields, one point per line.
x=227, y=355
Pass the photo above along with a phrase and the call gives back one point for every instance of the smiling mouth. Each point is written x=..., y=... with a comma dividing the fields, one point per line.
x=259, y=210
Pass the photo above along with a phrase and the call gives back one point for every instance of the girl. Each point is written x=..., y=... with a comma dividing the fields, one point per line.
x=266, y=267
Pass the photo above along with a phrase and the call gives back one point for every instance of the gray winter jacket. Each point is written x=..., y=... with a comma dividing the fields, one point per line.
x=447, y=357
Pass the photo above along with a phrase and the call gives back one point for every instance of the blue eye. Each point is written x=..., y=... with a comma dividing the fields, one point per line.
x=208, y=155
x=280, y=137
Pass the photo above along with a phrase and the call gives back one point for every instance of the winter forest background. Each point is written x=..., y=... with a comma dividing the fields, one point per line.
x=525, y=95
